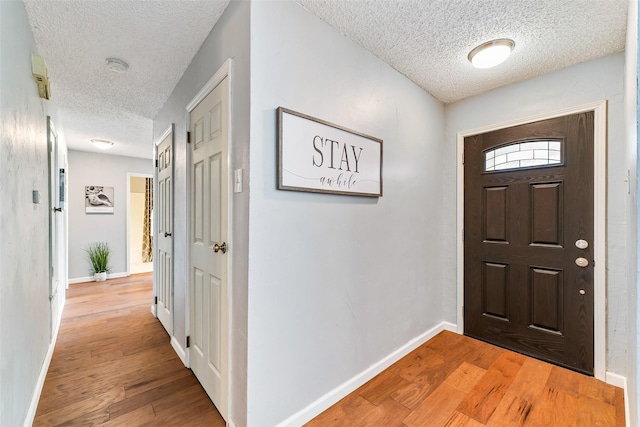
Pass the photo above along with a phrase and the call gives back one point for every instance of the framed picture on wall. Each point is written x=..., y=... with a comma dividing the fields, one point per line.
x=321, y=157
x=98, y=199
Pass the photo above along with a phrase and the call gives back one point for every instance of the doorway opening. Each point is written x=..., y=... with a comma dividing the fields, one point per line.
x=139, y=223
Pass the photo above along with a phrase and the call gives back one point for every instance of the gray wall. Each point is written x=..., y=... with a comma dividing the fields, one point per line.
x=631, y=109
x=228, y=39
x=110, y=171
x=590, y=81
x=25, y=328
x=336, y=283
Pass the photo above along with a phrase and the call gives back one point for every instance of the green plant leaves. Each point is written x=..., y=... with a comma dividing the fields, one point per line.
x=99, y=257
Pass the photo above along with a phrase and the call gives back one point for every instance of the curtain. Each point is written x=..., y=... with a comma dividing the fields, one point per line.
x=147, y=234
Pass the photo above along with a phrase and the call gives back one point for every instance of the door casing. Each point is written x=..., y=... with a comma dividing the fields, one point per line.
x=224, y=71
x=600, y=196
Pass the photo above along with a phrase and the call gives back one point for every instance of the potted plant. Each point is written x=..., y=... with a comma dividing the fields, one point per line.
x=99, y=257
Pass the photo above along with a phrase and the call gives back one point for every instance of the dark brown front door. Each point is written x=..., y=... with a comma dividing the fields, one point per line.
x=528, y=246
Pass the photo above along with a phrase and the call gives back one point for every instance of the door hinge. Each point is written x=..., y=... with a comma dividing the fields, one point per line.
x=188, y=137
x=156, y=162
x=156, y=301
x=188, y=341
x=463, y=157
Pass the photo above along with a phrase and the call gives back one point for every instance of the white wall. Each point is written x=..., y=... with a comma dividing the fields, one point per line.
x=24, y=226
x=110, y=171
x=336, y=283
x=228, y=39
x=590, y=81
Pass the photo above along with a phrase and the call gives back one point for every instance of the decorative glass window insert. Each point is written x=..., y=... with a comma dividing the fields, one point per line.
x=525, y=154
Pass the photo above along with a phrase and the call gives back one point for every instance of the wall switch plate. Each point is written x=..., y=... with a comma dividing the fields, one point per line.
x=36, y=196
x=237, y=181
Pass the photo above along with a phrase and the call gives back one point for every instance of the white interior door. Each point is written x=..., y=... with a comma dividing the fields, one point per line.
x=54, y=211
x=164, y=252
x=209, y=233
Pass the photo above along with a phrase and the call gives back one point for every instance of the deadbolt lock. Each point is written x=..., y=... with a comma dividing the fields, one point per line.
x=582, y=244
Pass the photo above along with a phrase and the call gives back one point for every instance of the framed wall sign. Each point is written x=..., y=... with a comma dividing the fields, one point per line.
x=98, y=199
x=321, y=157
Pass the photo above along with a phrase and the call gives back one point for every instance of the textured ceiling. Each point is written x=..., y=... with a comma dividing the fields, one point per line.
x=426, y=40
x=429, y=40
x=158, y=40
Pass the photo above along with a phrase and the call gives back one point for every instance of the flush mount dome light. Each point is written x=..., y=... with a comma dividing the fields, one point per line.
x=117, y=65
x=102, y=144
x=491, y=53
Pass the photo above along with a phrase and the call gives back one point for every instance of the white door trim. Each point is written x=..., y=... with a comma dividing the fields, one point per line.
x=600, y=219
x=223, y=72
x=128, y=214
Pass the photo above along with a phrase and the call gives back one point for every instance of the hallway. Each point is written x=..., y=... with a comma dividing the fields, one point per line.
x=113, y=364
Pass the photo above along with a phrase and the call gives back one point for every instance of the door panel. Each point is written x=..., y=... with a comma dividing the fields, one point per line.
x=164, y=264
x=209, y=227
x=54, y=224
x=528, y=198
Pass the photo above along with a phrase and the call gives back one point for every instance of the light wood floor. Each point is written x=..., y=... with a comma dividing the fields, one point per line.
x=454, y=380
x=113, y=365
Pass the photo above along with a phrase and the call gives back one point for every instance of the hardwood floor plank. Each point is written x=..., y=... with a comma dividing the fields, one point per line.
x=78, y=409
x=465, y=377
x=482, y=401
x=382, y=387
x=141, y=416
x=436, y=409
x=458, y=419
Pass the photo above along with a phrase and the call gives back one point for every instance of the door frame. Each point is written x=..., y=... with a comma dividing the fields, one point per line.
x=128, y=213
x=170, y=130
x=225, y=71
x=599, y=109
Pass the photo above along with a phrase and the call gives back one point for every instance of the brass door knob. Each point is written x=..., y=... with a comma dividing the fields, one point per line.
x=220, y=247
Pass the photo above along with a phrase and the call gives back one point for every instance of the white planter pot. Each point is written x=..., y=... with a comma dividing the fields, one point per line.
x=100, y=277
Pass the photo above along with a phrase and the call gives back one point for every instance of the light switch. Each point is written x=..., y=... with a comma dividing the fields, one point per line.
x=237, y=181
x=36, y=196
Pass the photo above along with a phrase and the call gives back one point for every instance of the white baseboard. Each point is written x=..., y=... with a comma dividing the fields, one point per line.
x=182, y=354
x=230, y=423
x=153, y=310
x=316, y=408
x=35, y=399
x=620, y=381
x=90, y=278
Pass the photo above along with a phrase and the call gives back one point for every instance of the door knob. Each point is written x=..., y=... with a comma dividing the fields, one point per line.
x=167, y=234
x=582, y=262
x=220, y=248
x=57, y=209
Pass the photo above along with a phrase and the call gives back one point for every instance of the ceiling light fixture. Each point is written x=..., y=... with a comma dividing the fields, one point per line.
x=102, y=144
x=491, y=53
x=117, y=65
